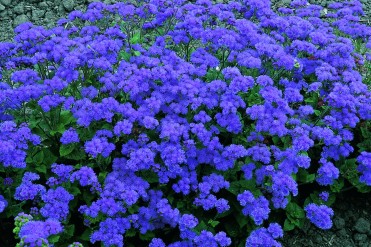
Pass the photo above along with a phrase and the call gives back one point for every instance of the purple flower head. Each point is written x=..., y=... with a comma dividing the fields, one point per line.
x=56, y=203
x=157, y=242
x=85, y=176
x=248, y=170
x=69, y=136
x=324, y=196
x=99, y=146
x=123, y=127
x=319, y=215
x=3, y=203
x=27, y=190
x=62, y=171
x=256, y=208
x=187, y=221
x=327, y=173
x=35, y=230
x=8, y=181
x=264, y=237
x=364, y=167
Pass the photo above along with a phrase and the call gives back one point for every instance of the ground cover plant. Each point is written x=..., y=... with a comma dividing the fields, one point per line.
x=176, y=123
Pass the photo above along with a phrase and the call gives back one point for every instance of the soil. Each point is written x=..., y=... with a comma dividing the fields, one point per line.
x=352, y=218
x=351, y=228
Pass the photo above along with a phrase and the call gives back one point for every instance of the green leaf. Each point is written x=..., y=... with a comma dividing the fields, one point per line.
x=88, y=197
x=365, y=132
x=41, y=168
x=69, y=230
x=201, y=226
x=304, y=176
x=149, y=176
x=33, y=123
x=232, y=229
x=137, y=53
x=337, y=185
x=135, y=39
x=77, y=154
x=213, y=223
x=38, y=158
x=49, y=157
x=124, y=56
x=66, y=117
x=224, y=214
x=60, y=128
x=288, y=226
x=75, y=191
x=241, y=220
x=86, y=235
x=53, y=239
x=102, y=176
x=294, y=210
x=13, y=210
x=65, y=150
x=130, y=233
x=237, y=187
x=146, y=237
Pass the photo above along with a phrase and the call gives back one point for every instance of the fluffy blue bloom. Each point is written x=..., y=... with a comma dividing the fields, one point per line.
x=319, y=215
x=327, y=173
x=99, y=146
x=3, y=203
x=123, y=127
x=265, y=237
x=324, y=196
x=27, y=190
x=157, y=242
x=256, y=208
x=56, y=203
x=38, y=231
x=69, y=136
x=364, y=167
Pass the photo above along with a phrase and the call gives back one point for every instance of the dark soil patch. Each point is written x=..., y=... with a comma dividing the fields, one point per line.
x=351, y=227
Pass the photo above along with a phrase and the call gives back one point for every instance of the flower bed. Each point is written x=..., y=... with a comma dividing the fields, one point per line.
x=183, y=124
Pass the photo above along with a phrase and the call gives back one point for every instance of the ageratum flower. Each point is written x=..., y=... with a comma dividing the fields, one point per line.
x=319, y=215
x=265, y=237
x=36, y=233
x=364, y=167
x=256, y=208
x=3, y=203
x=56, y=203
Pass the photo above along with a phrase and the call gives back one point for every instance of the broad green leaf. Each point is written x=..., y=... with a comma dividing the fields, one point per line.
x=53, y=238
x=337, y=185
x=294, y=210
x=75, y=191
x=213, y=223
x=86, y=235
x=69, y=230
x=65, y=150
x=41, y=168
x=66, y=117
x=124, y=56
x=288, y=226
x=146, y=237
x=38, y=158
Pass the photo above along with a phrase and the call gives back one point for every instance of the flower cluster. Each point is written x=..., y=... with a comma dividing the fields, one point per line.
x=36, y=233
x=319, y=215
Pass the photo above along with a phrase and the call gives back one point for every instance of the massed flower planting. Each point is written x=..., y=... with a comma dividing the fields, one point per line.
x=177, y=123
